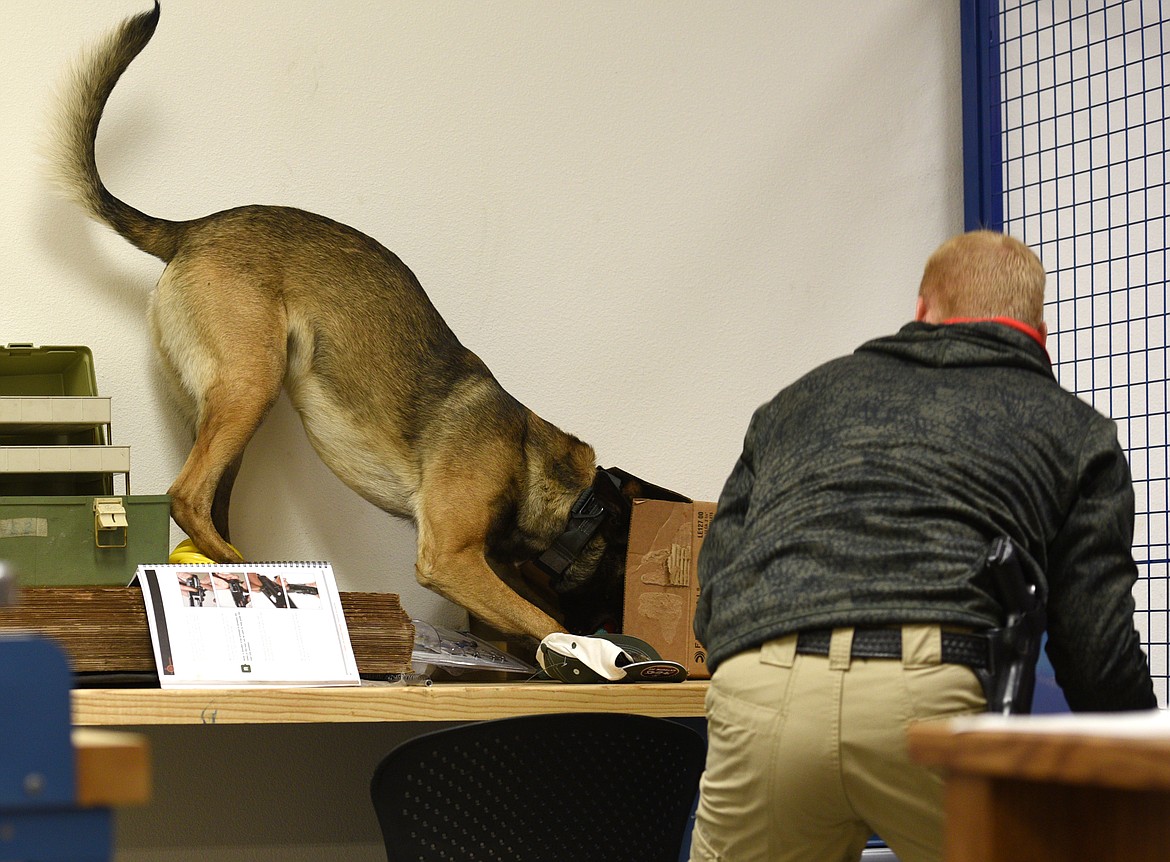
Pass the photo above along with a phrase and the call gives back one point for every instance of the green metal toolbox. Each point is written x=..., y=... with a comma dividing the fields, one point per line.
x=48, y=398
x=83, y=540
x=26, y=369
x=61, y=521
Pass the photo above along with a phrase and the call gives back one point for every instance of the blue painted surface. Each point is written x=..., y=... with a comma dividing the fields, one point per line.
x=1048, y=698
x=57, y=835
x=36, y=748
x=39, y=819
x=982, y=127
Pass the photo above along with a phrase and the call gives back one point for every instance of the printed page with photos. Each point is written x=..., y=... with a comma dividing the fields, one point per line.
x=250, y=624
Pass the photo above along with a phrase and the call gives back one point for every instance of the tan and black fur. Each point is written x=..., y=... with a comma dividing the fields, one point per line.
x=258, y=297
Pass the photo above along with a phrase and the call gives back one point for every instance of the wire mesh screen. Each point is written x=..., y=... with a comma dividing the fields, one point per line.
x=1083, y=134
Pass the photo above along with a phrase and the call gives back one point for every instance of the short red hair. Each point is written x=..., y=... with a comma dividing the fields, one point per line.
x=985, y=274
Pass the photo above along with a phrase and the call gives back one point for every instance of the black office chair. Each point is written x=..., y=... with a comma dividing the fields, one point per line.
x=590, y=787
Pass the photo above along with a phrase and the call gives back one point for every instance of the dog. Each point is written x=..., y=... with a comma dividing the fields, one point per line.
x=256, y=297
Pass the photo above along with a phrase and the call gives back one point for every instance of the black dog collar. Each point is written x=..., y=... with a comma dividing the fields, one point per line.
x=585, y=519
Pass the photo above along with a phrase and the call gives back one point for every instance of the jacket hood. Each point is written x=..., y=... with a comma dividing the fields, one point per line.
x=977, y=343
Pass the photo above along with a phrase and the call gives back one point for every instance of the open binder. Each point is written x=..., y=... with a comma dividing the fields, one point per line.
x=247, y=624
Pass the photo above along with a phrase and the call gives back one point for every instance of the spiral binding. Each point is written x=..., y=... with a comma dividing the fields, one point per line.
x=187, y=554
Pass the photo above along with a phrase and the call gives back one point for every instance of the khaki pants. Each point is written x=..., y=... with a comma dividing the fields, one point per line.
x=807, y=754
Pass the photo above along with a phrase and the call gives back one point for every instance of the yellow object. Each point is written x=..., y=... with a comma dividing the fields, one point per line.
x=185, y=553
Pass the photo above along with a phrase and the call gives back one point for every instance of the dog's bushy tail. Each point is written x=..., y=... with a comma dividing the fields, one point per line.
x=80, y=104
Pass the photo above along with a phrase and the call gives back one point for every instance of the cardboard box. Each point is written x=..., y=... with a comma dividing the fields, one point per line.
x=662, y=584
x=104, y=629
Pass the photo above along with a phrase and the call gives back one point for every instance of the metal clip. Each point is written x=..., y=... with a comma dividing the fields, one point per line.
x=110, y=528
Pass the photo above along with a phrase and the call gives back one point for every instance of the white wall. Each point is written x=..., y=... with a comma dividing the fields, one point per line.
x=646, y=217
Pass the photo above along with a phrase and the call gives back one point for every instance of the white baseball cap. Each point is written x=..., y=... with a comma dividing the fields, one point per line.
x=605, y=658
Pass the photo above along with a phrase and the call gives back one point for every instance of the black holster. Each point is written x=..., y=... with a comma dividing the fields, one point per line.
x=1014, y=648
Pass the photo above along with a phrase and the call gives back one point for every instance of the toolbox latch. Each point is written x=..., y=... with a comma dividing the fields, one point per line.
x=110, y=527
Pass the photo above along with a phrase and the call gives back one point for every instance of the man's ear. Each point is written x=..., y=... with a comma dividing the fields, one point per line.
x=920, y=309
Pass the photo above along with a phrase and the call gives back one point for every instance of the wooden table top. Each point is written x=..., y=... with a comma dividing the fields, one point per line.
x=443, y=701
x=1122, y=750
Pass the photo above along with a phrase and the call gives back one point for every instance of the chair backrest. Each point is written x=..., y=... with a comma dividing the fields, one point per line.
x=541, y=788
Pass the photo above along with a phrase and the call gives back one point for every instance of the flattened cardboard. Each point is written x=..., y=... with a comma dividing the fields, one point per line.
x=104, y=629
x=662, y=584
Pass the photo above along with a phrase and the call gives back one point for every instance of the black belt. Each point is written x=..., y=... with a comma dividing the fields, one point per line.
x=957, y=648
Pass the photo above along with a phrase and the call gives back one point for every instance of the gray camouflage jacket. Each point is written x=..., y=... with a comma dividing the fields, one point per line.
x=869, y=490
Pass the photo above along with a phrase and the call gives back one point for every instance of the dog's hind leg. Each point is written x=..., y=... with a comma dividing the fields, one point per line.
x=231, y=360
x=230, y=412
x=199, y=494
x=223, y=498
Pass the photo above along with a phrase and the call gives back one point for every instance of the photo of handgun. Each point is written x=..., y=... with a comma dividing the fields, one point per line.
x=275, y=593
x=240, y=596
x=198, y=593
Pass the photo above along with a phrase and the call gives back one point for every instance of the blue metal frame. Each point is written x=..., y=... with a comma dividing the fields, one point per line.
x=39, y=815
x=1064, y=142
x=57, y=835
x=982, y=128
x=36, y=748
